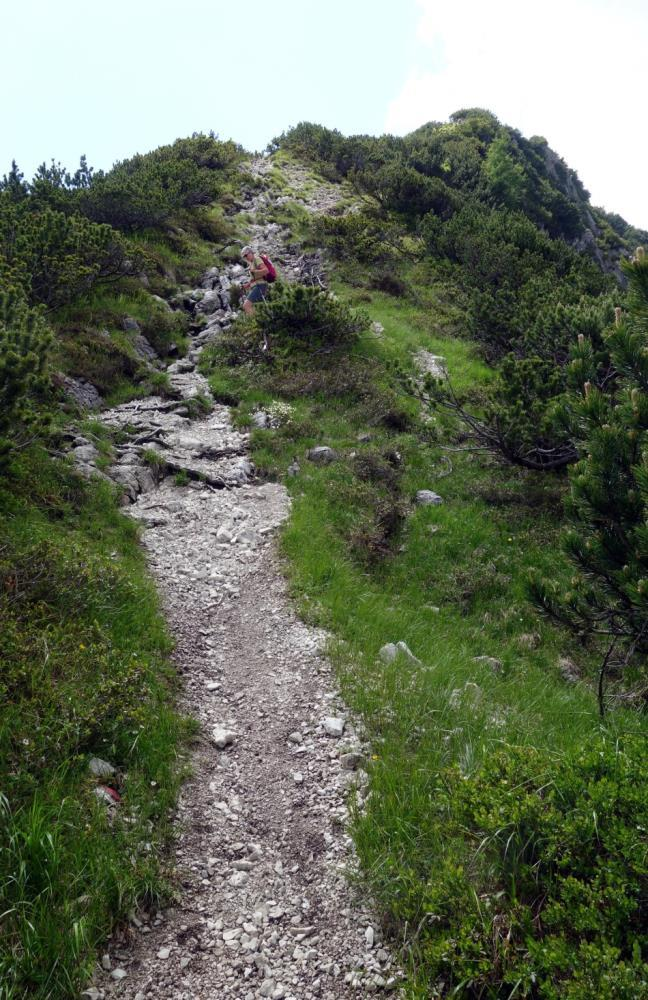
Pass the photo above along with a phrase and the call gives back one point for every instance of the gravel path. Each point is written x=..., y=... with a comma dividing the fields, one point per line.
x=264, y=908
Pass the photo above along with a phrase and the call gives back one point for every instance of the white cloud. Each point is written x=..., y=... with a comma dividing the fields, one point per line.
x=571, y=70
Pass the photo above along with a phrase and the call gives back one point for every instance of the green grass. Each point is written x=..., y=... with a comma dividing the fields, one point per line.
x=293, y=215
x=468, y=557
x=85, y=672
x=453, y=587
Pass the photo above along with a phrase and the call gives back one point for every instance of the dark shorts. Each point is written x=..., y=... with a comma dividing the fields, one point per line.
x=258, y=292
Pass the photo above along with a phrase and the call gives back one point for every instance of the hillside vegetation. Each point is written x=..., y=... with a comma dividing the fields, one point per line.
x=84, y=651
x=504, y=836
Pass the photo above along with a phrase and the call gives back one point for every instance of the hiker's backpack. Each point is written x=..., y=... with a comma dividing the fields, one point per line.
x=272, y=272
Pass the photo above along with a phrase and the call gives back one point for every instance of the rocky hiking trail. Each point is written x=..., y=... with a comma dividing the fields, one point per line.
x=264, y=904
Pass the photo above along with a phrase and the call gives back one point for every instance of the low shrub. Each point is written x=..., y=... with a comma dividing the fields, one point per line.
x=298, y=317
x=54, y=258
x=25, y=340
x=390, y=283
x=148, y=189
x=365, y=237
x=552, y=903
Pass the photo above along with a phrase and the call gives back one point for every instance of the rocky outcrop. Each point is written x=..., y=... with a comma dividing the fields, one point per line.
x=83, y=393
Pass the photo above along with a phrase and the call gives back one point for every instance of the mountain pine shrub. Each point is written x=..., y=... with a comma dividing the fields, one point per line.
x=608, y=501
x=54, y=257
x=298, y=317
x=24, y=344
x=147, y=190
x=366, y=237
x=553, y=902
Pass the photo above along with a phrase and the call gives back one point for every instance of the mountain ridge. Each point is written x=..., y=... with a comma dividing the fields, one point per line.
x=565, y=211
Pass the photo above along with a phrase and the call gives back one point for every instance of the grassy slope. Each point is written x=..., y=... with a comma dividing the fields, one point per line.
x=85, y=672
x=453, y=588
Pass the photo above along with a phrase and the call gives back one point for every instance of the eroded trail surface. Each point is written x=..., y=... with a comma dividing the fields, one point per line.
x=264, y=906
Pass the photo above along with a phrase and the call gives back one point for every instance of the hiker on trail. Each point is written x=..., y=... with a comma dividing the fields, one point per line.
x=261, y=273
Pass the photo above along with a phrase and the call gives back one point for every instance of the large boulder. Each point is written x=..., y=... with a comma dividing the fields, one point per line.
x=144, y=349
x=321, y=454
x=426, y=498
x=85, y=454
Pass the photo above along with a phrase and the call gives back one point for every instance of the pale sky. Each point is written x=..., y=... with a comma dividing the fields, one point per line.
x=112, y=79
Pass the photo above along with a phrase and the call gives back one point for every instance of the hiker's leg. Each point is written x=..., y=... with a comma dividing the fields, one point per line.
x=258, y=293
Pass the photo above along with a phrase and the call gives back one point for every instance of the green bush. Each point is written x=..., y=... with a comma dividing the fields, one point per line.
x=365, y=237
x=53, y=257
x=505, y=175
x=608, y=503
x=526, y=410
x=401, y=188
x=565, y=842
x=147, y=190
x=25, y=340
x=297, y=317
x=536, y=886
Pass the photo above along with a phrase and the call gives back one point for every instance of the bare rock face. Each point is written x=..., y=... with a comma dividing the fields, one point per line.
x=83, y=393
x=144, y=349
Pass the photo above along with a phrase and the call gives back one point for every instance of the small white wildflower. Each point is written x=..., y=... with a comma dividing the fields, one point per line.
x=280, y=413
